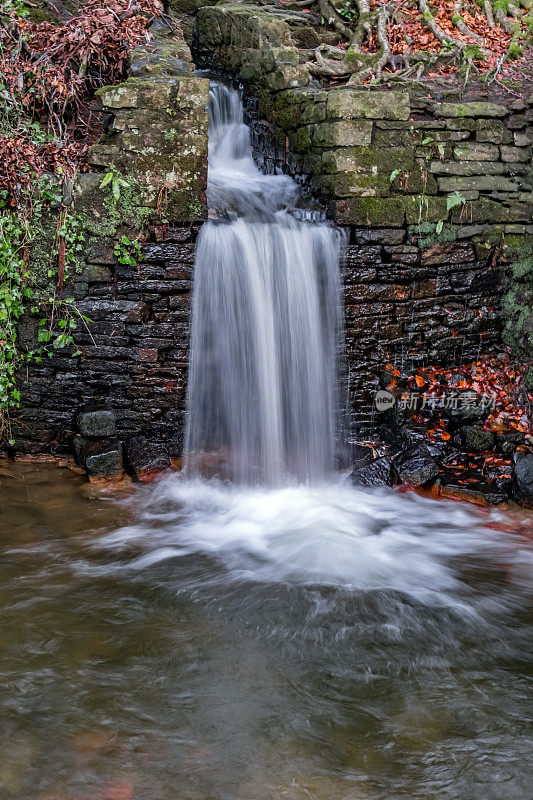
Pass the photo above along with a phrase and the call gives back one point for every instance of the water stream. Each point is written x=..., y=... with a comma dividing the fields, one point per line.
x=266, y=324
x=280, y=636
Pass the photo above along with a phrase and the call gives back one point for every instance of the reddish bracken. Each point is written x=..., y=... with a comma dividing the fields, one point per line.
x=50, y=73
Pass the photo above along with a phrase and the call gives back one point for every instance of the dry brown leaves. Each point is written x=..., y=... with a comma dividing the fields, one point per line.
x=51, y=71
x=408, y=33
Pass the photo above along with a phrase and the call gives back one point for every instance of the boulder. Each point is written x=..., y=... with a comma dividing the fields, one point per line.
x=101, y=458
x=477, y=440
x=482, y=494
x=415, y=467
x=523, y=476
x=508, y=441
x=378, y=473
x=145, y=459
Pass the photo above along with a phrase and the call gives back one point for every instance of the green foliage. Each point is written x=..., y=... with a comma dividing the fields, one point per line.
x=58, y=317
x=347, y=11
x=14, y=8
x=116, y=182
x=453, y=200
x=128, y=252
x=515, y=51
x=13, y=293
x=472, y=52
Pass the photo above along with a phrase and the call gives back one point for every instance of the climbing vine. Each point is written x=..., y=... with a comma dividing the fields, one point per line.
x=21, y=290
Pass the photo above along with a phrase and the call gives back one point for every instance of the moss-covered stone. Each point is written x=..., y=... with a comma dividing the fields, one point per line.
x=421, y=208
x=370, y=211
x=347, y=184
x=476, y=152
x=343, y=132
x=474, y=109
x=493, y=130
x=480, y=183
x=357, y=104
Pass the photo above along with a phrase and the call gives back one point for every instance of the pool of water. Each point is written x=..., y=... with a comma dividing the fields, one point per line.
x=194, y=641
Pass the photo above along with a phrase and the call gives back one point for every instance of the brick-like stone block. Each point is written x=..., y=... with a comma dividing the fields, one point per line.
x=356, y=104
x=97, y=423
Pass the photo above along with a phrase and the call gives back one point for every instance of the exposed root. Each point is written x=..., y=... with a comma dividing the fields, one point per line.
x=463, y=28
x=435, y=28
x=505, y=22
x=489, y=13
x=364, y=25
x=333, y=18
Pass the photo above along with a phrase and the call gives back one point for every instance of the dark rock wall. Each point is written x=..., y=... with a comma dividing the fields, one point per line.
x=133, y=354
x=421, y=286
x=411, y=307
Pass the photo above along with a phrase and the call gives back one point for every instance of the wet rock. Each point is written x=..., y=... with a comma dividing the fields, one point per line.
x=417, y=433
x=104, y=459
x=508, y=441
x=468, y=409
x=482, y=494
x=379, y=473
x=476, y=439
x=415, y=466
x=145, y=459
x=523, y=476
x=97, y=423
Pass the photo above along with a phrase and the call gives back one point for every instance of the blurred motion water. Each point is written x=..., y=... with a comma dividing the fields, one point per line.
x=266, y=325
x=202, y=641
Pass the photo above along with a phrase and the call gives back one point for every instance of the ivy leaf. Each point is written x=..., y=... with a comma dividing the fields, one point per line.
x=454, y=200
x=107, y=179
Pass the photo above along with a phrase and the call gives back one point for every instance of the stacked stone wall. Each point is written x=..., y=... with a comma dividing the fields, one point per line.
x=422, y=280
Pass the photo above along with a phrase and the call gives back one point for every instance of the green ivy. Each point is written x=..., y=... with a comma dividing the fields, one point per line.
x=58, y=317
x=128, y=252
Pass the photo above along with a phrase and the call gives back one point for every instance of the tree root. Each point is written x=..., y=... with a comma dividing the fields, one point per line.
x=463, y=28
x=333, y=18
x=367, y=66
x=435, y=28
x=505, y=22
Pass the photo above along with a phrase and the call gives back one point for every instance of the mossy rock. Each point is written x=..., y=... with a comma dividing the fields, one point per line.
x=370, y=211
x=358, y=104
x=474, y=109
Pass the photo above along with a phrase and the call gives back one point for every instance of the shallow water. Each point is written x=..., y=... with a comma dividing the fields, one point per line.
x=197, y=641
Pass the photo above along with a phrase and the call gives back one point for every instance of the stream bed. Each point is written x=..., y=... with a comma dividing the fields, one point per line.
x=195, y=641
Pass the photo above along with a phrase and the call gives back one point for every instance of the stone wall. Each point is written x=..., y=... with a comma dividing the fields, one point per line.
x=377, y=158
x=411, y=306
x=131, y=356
x=134, y=355
x=422, y=283
x=436, y=197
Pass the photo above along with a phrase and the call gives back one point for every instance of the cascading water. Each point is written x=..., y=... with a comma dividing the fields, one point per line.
x=266, y=327
x=255, y=642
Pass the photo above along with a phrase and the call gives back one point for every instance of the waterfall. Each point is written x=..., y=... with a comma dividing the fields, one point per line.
x=262, y=401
